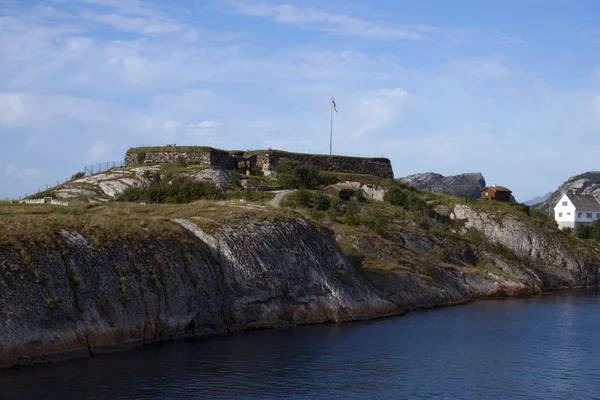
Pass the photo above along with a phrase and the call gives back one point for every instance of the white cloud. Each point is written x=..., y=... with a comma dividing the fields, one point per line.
x=338, y=24
x=141, y=25
x=380, y=110
x=204, y=125
x=130, y=7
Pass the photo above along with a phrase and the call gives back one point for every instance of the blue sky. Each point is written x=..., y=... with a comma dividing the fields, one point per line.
x=508, y=88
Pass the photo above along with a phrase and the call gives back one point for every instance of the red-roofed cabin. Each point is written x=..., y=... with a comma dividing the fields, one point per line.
x=498, y=193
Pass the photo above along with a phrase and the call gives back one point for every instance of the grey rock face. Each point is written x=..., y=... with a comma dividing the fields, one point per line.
x=554, y=260
x=78, y=297
x=458, y=185
x=586, y=183
x=81, y=298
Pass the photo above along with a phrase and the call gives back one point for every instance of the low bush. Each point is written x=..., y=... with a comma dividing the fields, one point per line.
x=77, y=175
x=303, y=198
x=179, y=189
x=406, y=199
x=588, y=231
x=295, y=175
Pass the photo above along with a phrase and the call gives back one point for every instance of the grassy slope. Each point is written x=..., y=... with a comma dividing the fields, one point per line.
x=380, y=224
x=29, y=223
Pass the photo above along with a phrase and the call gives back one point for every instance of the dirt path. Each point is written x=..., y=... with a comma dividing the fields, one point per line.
x=277, y=199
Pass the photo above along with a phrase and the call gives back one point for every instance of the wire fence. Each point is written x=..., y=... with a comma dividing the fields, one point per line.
x=107, y=165
x=87, y=171
x=101, y=167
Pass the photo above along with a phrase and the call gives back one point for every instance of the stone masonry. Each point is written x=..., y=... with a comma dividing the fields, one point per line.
x=209, y=158
x=266, y=161
x=381, y=167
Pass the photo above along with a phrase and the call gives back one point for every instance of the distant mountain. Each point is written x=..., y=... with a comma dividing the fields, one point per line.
x=537, y=200
x=586, y=183
x=457, y=185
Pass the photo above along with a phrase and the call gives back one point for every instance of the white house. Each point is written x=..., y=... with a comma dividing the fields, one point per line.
x=576, y=209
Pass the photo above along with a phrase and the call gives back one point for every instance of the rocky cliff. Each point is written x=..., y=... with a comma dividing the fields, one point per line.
x=457, y=185
x=586, y=183
x=73, y=292
x=76, y=297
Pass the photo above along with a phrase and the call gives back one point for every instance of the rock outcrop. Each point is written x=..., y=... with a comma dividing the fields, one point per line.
x=586, y=183
x=372, y=192
x=457, y=185
x=79, y=296
x=556, y=261
x=108, y=185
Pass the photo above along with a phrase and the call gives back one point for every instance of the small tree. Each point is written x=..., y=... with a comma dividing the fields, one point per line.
x=77, y=175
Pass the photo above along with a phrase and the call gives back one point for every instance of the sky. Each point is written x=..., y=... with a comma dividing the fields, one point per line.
x=507, y=88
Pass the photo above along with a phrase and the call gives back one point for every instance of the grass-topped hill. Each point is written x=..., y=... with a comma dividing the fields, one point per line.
x=593, y=176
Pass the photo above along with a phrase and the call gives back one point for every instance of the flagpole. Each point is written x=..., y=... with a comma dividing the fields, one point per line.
x=331, y=128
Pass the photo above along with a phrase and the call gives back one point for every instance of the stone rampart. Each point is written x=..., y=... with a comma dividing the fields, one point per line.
x=200, y=155
x=381, y=167
x=264, y=160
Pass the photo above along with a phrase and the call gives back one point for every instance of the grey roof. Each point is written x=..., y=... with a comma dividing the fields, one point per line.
x=584, y=201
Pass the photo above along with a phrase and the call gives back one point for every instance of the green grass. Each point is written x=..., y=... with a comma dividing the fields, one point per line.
x=38, y=224
x=256, y=152
x=175, y=149
x=498, y=188
x=367, y=179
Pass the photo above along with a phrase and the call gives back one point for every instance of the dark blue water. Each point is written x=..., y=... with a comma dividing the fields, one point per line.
x=545, y=347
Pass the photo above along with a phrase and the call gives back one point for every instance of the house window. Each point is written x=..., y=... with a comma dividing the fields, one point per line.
x=486, y=194
x=597, y=215
x=588, y=215
x=565, y=204
x=560, y=214
x=568, y=213
x=579, y=215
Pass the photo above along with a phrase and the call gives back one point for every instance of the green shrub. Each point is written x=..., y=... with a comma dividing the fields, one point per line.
x=249, y=195
x=180, y=189
x=359, y=196
x=130, y=194
x=326, y=178
x=295, y=175
x=351, y=213
x=181, y=162
x=406, y=199
x=303, y=198
x=583, y=231
x=77, y=175
x=595, y=230
x=321, y=202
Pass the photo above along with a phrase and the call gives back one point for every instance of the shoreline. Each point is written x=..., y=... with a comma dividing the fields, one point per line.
x=60, y=357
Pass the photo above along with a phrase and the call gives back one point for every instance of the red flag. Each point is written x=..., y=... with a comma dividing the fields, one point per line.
x=333, y=101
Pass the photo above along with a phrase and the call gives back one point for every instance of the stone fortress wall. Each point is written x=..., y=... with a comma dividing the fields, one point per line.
x=201, y=155
x=381, y=167
x=265, y=160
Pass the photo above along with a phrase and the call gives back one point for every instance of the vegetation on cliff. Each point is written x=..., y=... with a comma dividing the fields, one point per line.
x=178, y=189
